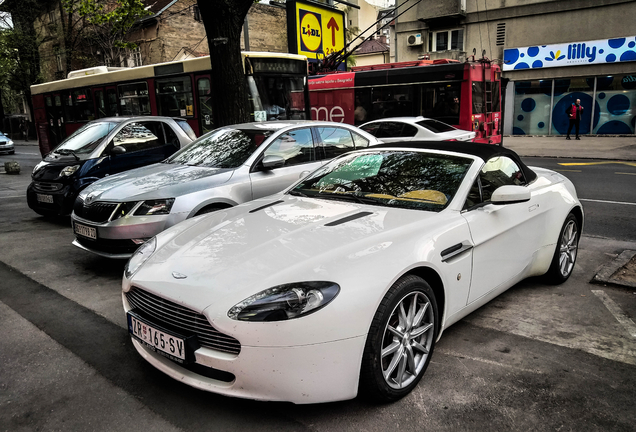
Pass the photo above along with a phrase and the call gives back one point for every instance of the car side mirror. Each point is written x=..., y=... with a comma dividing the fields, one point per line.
x=273, y=161
x=510, y=194
x=117, y=150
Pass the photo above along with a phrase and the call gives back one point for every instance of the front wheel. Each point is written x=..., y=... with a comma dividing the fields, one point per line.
x=400, y=341
x=565, y=254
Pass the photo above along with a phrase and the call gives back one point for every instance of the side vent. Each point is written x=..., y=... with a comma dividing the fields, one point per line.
x=349, y=218
x=265, y=206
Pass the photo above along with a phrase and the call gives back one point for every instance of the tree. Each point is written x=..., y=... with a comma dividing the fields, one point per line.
x=21, y=41
x=223, y=21
x=107, y=25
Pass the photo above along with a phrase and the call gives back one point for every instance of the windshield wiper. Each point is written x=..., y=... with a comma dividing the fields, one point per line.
x=297, y=193
x=350, y=197
x=68, y=152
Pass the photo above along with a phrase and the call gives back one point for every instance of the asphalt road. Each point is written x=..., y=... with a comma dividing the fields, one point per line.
x=536, y=358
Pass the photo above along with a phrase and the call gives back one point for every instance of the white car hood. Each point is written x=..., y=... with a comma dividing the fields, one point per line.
x=235, y=257
x=160, y=180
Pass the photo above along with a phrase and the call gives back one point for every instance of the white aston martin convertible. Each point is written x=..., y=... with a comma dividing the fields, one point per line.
x=342, y=284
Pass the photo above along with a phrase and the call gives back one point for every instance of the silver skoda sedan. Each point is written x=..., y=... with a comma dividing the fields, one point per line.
x=225, y=167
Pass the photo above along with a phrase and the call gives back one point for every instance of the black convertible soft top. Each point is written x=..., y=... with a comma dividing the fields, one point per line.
x=482, y=151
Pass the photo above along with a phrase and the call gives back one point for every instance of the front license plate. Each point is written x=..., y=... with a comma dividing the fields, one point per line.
x=172, y=346
x=85, y=231
x=48, y=199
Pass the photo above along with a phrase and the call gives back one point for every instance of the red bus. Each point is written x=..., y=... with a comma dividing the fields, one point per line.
x=276, y=83
x=464, y=95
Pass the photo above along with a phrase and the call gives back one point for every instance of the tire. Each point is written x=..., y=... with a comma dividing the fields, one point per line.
x=394, y=360
x=565, y=252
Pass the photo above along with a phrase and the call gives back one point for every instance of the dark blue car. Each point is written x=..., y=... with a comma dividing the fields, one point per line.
x=98, y=149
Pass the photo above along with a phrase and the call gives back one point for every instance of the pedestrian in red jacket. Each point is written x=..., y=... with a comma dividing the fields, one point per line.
x=574, y=112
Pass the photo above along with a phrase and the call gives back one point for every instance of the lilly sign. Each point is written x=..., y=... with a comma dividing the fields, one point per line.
x=571, y=54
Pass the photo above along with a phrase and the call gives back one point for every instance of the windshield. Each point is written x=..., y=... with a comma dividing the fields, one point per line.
x=86, y=139
x=278, y=97
x=413, y=180
x=222, y=148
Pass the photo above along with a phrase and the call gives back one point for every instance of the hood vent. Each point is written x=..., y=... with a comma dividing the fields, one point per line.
x=349, y=218
x=265, y=206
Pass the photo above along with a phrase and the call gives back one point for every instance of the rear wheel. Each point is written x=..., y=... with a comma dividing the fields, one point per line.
x=400, y=341
x=565, y=254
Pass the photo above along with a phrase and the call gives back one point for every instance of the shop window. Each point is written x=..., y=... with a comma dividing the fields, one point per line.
x=566, y=92
x=615, y=105
x=532, y=107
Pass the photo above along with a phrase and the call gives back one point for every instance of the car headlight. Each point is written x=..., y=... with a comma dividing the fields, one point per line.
x=285, y=302
x=139, y=257
x=10, y=142
x=155, y=207
x=69, y=171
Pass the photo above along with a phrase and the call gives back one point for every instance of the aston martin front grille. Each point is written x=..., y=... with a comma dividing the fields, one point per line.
x=181, y=319
x=98, y=212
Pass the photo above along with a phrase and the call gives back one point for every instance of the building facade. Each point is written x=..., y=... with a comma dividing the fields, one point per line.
x=534, y=40
x=174, y=31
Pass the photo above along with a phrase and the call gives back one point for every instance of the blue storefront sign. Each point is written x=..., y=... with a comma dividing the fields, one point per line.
x=571, y=54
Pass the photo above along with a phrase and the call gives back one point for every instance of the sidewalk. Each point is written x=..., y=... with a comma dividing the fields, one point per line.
x=589, y=147
x=592, y=147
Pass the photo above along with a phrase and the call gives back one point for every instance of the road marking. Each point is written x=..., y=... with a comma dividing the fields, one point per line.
x=615, y=310
x=483, y=360
x=15, y=196
x=568, y=170
x=607, y=202
x=598, y=163
x=625, y=173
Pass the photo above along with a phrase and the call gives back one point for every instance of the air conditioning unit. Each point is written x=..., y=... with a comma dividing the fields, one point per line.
x=414, y=40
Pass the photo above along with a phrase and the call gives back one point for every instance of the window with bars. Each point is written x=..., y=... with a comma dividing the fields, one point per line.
x=134, y=57
x=501, y=34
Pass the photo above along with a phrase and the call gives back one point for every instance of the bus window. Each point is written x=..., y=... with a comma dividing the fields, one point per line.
x=205, y=105
x=101, y=104
x=111, y=97
x=133, y=99
x=478, y=97
x=392, y=101
x=174, y=97
x=81, y=105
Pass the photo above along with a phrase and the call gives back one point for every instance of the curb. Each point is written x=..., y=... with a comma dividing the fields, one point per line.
x=611, y=273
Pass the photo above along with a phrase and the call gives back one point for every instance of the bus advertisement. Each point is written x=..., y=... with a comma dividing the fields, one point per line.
x=276, y=84
x=463, y=95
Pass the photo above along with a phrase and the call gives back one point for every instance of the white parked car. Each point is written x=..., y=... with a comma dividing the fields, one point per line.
x=400, y=129
x=223, y=168
x=343, y=283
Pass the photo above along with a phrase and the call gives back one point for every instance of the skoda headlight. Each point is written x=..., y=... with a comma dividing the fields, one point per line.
x=142, y=254
x=69, y=171
x=285, y=302
x=155, y=207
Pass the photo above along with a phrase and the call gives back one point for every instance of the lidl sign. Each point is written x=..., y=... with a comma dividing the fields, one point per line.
x=314, y=30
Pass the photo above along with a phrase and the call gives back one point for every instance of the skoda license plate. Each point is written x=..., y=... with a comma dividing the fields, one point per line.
x=85, y=231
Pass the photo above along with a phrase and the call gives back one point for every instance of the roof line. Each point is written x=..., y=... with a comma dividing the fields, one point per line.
x=160, y=12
